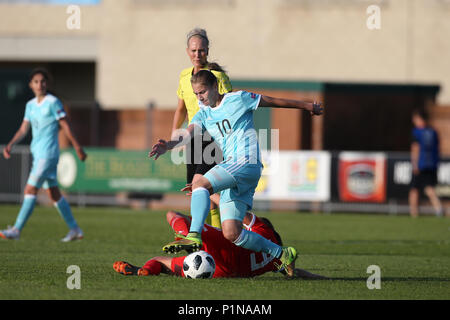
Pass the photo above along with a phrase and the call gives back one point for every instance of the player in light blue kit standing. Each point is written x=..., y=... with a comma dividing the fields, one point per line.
x=45, y=114
x=229, y=120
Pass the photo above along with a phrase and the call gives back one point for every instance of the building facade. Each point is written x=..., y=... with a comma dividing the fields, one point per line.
x=115, y=60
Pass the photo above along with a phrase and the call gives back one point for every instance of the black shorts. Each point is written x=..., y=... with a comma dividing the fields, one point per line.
x=200, y=163
x=424, y=179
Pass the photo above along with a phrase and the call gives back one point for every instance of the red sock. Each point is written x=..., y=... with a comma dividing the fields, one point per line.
x=153, y=267
x=180, y=225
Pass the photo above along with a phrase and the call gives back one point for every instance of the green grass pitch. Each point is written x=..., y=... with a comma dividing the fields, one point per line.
x=413, y=256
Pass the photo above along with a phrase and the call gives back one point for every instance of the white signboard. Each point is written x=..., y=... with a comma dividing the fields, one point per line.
x=295, y=175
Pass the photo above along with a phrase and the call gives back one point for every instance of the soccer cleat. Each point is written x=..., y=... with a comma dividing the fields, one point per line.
x=190, y=244
x=11, y=233
x=74, y=234
x=128, y=269
x=288, y=257
x=143, y=272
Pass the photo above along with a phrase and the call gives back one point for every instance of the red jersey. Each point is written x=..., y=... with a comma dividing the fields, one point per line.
x=232, y=260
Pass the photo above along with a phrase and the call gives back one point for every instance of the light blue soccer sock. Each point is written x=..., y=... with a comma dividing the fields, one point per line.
x=255, y=242
x=26, y=210
x=64, y=210
x=200, y=205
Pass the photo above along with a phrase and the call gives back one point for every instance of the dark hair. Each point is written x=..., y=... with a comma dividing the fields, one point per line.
x=270, y=225
x=41, y=71
x=214, y=66
x=204, y=77
x=421, y=113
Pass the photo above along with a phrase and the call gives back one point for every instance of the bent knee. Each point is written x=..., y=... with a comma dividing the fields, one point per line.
x=202, y=182
x=197, y=177
x=232, y=235
x=428, y=190
x=54, y=194
x=30, y=189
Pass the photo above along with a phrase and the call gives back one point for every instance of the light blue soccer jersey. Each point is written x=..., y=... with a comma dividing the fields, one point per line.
x=231, y=125
x=44, y=119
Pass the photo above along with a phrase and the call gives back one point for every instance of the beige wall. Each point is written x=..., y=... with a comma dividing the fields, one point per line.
x=140, y=44
x=21, y=20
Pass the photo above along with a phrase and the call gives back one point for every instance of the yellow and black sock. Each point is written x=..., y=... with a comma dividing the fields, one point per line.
x=214, y=215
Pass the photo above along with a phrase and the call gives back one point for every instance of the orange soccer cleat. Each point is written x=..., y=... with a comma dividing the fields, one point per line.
x=128, y=269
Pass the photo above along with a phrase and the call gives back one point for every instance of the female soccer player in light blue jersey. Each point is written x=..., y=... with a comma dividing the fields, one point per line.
x=45, y=114
x=229, y=120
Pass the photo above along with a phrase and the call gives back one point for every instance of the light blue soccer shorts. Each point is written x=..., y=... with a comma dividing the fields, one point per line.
x=43, y=173
x=236, y=184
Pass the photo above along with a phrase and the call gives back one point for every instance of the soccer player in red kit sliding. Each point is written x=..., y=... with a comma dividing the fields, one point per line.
x=231, y=260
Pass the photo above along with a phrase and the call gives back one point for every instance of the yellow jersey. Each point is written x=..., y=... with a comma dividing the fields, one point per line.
x=186, y=93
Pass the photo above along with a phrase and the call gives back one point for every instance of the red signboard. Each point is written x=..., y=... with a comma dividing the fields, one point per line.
x=362, y=177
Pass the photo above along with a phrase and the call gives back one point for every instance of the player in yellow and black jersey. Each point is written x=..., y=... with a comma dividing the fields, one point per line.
x=199, y=163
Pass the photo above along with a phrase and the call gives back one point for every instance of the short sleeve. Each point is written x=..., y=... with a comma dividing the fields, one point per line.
x=57, y=110
x=224, y=84
x=183, y=82
x=414, y=136
x=180, y=91
x=250, y=100
x=26, y=116
x=198, y=119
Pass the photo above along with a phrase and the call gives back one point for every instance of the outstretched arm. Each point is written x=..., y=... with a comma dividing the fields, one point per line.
x=270, y=102
x=68, y=132
x=22, y=132
x=163, y=146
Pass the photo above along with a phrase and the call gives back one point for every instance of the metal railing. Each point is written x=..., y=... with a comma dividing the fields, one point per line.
x=14, y=174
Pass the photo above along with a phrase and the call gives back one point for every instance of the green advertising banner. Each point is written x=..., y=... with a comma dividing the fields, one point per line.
x=111, y=170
